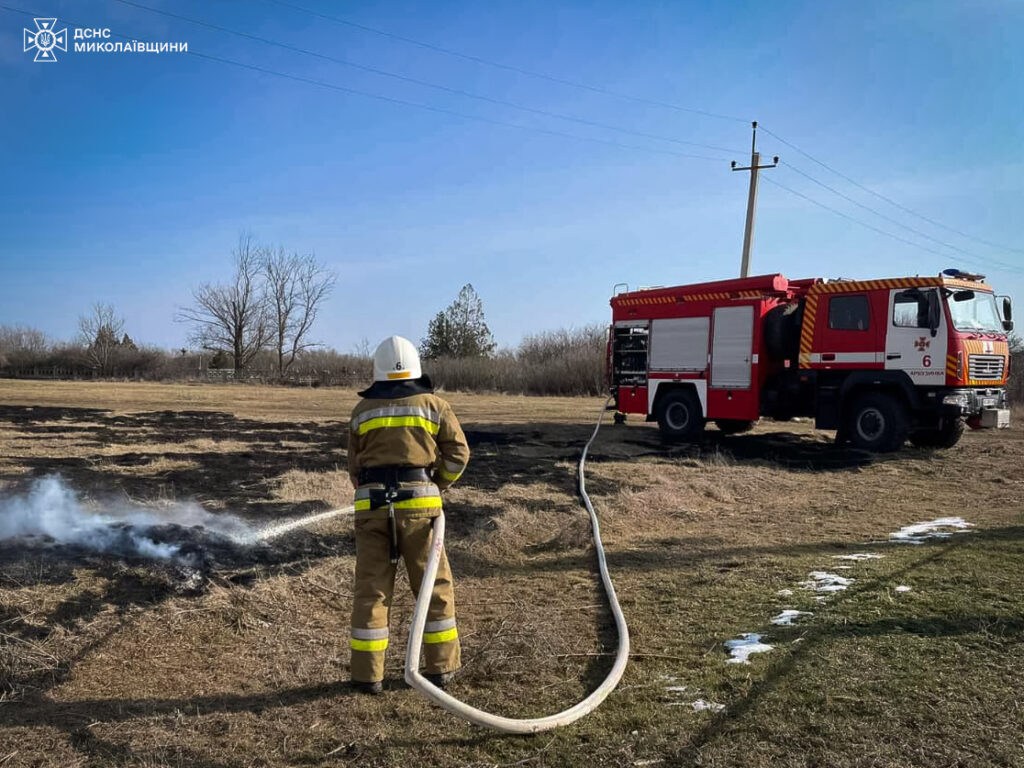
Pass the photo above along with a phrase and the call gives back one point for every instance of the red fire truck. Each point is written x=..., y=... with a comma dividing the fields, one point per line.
x=877, y=360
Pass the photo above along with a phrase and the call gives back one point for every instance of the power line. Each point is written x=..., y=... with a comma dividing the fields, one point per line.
x=443, y=111
x=416, y=105
x=865, y=224
x=637, y=99
x=898, y=223
x=423, y=83
x=507, y=67
x=890, y=201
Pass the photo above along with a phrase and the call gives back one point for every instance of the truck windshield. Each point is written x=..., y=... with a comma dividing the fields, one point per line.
x=978, y=313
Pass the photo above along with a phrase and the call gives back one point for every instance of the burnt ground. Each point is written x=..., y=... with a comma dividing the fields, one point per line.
x=234, y=655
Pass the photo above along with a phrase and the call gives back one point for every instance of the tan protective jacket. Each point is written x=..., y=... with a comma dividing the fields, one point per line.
x=415, y=431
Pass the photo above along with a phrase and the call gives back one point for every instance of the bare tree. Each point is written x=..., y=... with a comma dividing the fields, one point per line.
x=21, y=345
x=233, y=317
x=296, y=288
x=362, y=348
x=99, y=334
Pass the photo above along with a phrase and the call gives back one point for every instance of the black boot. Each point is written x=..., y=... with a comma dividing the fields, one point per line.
x=371, y=689
x=441, y=679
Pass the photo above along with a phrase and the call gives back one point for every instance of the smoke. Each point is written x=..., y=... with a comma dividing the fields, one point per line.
x=51, y=513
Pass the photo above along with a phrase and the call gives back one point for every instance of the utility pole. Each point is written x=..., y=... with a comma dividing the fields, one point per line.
x=755, y=172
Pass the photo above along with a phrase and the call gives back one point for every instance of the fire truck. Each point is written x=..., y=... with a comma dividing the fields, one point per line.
x=879, y=361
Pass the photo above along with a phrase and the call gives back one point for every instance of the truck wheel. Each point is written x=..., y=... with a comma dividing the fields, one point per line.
x=733, y=426
x=946, y=436
x=877, y=422
x=679, y=415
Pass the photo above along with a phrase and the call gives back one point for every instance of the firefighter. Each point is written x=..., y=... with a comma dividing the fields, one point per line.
x=405, y=447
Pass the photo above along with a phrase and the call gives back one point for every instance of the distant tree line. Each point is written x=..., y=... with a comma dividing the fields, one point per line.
x=258, y=326
x=563, y=362
x=566, y=362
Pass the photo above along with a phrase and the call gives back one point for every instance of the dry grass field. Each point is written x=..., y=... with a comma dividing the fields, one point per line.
x=120, y=661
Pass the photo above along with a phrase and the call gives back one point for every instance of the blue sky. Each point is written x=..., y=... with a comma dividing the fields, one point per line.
x=127, y=178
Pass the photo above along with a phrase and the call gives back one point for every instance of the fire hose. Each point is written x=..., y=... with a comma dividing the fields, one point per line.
x=497, y=722
x=419, y=619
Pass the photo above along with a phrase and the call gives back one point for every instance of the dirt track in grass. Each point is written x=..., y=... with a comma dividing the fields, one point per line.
x=115, y=661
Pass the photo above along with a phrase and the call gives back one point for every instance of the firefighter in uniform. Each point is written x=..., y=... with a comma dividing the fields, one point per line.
x=405, y=447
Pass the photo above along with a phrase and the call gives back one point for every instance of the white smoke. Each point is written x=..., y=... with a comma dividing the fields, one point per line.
x=51, y=512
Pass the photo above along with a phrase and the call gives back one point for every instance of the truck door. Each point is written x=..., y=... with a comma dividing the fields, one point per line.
x=731, y=347
x=909, y=342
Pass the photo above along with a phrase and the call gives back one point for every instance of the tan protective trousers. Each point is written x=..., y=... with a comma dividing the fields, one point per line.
x=374, y=589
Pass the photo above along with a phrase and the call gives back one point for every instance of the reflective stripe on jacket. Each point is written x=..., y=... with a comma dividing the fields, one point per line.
x=416, y=431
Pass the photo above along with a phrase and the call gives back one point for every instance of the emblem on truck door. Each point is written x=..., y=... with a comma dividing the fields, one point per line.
x=922, y=344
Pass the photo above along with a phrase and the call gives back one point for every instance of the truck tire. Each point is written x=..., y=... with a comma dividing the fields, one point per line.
x=877, y=422
x=733, y=426
x=679, y=415
x=946, y=436
x=782, y=331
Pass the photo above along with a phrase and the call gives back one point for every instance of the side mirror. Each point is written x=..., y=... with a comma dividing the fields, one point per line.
x=1007, y=308
x=934, y=312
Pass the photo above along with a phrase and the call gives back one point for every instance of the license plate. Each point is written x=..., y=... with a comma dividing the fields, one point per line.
x=988, y=402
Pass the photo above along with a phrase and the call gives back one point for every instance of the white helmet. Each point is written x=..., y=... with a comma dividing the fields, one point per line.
x=396, y=359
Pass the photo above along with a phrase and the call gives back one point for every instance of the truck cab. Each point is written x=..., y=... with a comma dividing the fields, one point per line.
x=883, y=360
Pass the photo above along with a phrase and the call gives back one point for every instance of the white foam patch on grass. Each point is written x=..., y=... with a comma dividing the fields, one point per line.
x=701, y=706
x=785, y=593
x=785, y=619
x=823, y=581
x=932, y=529
x=902, y=588
x=742, y=648
x=858, y=556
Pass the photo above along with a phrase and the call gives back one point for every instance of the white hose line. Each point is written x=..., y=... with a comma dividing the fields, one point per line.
x=497, y=722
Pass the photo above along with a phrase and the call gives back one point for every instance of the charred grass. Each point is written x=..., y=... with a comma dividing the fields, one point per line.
x=105, y=661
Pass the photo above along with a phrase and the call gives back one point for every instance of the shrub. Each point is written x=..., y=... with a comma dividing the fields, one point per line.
x=563, y=362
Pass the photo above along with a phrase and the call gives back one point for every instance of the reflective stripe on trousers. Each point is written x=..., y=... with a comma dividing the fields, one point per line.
x=374, y=590
x=369, y=639
x=440, y=631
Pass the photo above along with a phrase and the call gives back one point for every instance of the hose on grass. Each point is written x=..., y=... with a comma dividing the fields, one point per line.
x=419, y=619
x=498, y=722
